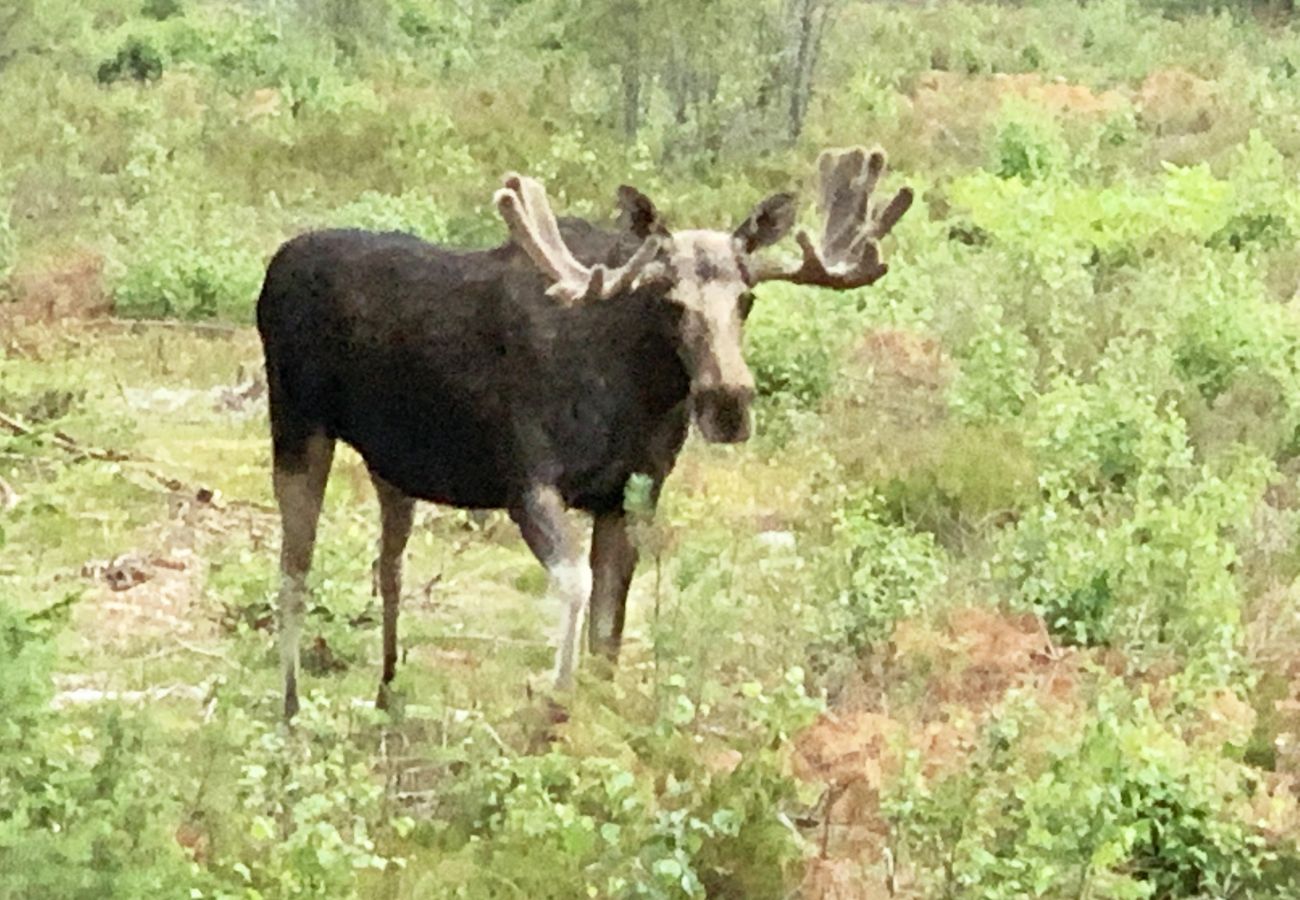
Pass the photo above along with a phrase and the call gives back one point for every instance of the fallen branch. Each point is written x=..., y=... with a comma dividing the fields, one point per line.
x=63, y=441
x=68, y=444
x=85, y=696
x=174, y=324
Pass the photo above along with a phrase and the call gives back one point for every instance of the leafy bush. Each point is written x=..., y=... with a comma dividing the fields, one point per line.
x=413, y=212
x=792, y=343
x=642, y=810
x=79, y=816
x=996, y=376
x=188, y=266
x=1131, y=542
x=890, y=573
x=1105, y=801
x=311, y=809
x=1028, y=146
x=138, y=59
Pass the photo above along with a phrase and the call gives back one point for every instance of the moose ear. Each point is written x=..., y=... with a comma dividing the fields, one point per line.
x=767, y=224
x=637, y=214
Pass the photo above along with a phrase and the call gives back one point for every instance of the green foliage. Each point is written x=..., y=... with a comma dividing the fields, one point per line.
x=636, y=809
x=996, y=378
x=309, y=805
x=891, y=573
x=79, y=817
x=1131, y=543
x=412, y=212
x=188, y=265
x=137, y=59
x=1028, y=145
x=1106, y=801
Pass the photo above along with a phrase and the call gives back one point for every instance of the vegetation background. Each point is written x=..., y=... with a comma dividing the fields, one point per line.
x=1001, y=602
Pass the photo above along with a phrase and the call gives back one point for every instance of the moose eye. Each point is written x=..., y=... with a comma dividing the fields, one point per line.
x=746, y=304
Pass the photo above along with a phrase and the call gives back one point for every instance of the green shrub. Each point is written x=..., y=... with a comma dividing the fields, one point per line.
x=189, y=265
x=413, y=212
x=179, y=279
x=1107, y=801
x=790, y=346
x=886, y=573
x=995, y=379
x=1131, y=544
x=79, y=816
x=310, y=811
x=1028, y=145
x=138, y=60
x=160, y=10
x=636, y=809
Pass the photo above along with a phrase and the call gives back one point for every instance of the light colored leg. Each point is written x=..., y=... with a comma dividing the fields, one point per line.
x=541, y=521
x=572, y=584
x=299, y=491
x=397, y=514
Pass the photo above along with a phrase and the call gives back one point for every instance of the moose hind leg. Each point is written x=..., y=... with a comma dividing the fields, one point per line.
x=613, y=560
x=299, y=481
x=541, y=521
x=397, y=514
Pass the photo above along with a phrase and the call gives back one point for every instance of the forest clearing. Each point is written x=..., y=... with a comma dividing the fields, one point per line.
x=1000, y=599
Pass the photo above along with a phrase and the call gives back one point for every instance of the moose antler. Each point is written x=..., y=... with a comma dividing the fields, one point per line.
x=527, y=213
x=849, y=255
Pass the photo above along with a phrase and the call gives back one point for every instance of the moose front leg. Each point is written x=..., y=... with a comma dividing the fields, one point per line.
x=613, y=560
x=541, y=520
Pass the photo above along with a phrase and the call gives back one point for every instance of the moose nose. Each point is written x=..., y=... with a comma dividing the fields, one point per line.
x=723, y=413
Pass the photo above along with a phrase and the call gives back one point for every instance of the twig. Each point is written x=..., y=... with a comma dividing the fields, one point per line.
x=69, y=444
x=204, y=651
x=492, y=733
x=176, y=324
x=9, y=498
x=492, y=639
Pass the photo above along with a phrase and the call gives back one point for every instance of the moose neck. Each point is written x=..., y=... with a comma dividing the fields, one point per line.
x=630, y=343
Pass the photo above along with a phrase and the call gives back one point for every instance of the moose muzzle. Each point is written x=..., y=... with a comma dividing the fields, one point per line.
x=722, y=413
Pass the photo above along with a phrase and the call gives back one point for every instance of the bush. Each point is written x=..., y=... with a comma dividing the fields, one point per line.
x=1103, y=801
x=1028, y=145
x=642, y=807
x=889, y=573
x=79, y=816
x=1131, y=543
x=191, y=266
x=413, y=213
x=138, y=60
x=310, y=811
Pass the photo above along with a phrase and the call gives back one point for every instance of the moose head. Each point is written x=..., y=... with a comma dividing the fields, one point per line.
x=706, y=278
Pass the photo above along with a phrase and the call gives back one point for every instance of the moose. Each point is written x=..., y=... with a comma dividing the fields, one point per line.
x=534, y=377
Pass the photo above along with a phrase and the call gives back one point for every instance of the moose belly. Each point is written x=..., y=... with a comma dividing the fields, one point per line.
x=433, y=452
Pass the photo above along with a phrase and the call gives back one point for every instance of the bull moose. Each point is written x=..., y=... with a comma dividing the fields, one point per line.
x=533, y=377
